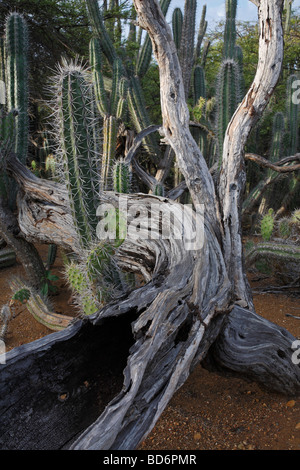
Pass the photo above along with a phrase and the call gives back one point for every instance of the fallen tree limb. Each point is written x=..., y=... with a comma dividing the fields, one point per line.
x=281, y=166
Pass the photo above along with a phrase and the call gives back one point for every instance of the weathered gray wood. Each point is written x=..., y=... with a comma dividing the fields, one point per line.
x=256, y=349
x=187, y=305
x=232, y=175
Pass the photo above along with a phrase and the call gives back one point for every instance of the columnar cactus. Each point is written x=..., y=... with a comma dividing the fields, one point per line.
x=16, y=45
x=177, y=21
x=230, y=30
x=140, y=117
x=159, y=190
x=97, y=23
x=199, y=83
x=109, y=149
x=278, y=131
x=292, y=114
x=75, y=126
x=122, y=177
x=144, y=57
x=201, y=33
x=2, y=74
x=228, y=97
x=186, y=51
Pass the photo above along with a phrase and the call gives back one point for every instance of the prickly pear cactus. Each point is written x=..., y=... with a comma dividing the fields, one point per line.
x=267, y=225
x=284, y=227
x=80, y=284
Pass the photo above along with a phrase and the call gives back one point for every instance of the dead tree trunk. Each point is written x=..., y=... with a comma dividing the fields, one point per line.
x=143, y=346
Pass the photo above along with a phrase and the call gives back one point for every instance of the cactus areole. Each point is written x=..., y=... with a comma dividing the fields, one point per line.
x=194, y=305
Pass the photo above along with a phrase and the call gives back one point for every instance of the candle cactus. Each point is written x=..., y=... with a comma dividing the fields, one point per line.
x=16, y=45
x=78, y=161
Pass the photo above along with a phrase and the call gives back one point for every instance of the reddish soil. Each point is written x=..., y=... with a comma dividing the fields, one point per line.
x=209, y=412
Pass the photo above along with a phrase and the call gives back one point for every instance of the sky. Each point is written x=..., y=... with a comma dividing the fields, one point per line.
x=215, y=12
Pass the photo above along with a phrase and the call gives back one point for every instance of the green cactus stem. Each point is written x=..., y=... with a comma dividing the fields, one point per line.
x=230, y=30
x=282, y=252
x=80, y=284
x=38, y=307
x=201, y=33
x=140, y=117
x=7, y=129
x=238, y=55
x=51, y=257
x=16, y=45
x=288, y=11
x=122, y=177
x=109, y=149
x=186, y=53
x=7, y=257
x=98, y=81
x=97, y=23
x=177, y=21
x=75, y=122
x=278, y=131
x=199, y=83
x=145, y=54
x=292, y=113
x=267, y=225
x=228, y=97
x=159, y=190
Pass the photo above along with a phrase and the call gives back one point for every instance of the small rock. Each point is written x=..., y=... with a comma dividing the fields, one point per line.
x=197, y=436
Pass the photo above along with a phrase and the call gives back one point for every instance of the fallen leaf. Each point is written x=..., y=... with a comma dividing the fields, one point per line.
x=297, y=426
x=291, y=403
x=197, y=436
